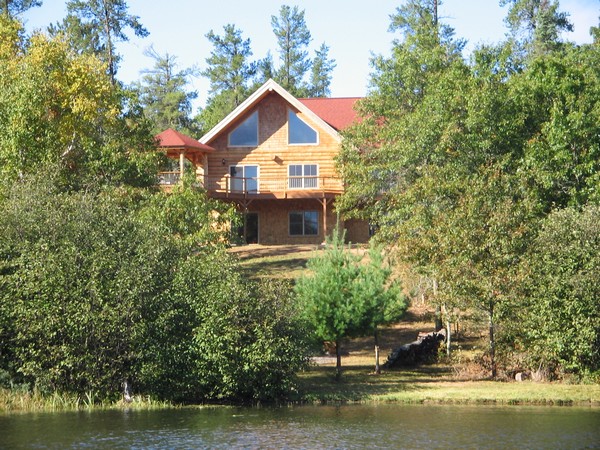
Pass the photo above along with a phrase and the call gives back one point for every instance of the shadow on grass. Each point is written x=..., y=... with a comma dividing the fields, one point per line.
x=284, y=268
x=358, y=383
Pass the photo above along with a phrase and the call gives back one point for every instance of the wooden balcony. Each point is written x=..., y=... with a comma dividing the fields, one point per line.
x=273, y=188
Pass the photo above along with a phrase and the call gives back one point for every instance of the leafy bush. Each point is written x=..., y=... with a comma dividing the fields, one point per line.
x=563, y=311
x=95, y=288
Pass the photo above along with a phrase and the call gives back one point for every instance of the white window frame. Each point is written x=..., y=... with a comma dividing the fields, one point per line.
x=305, y=123
x=303, y=178
x=255, y=144
x=243, y=166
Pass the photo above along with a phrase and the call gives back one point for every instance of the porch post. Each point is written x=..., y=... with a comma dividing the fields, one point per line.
x=324, y=219
x=205, y=171
x=245, y=204
x=181, y=164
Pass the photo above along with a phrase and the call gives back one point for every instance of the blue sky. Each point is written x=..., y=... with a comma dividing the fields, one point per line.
x=353, y=30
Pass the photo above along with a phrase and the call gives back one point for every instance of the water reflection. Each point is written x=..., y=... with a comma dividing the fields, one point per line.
x=378, y=426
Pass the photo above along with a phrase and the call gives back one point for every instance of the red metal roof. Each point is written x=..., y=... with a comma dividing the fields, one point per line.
x=337, y=112
x=174, y=139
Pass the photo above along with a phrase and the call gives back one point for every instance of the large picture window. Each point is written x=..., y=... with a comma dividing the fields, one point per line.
x=246, y=133
x=302, y=176
x=304, y=223
x=244, y=179
x=299, y=132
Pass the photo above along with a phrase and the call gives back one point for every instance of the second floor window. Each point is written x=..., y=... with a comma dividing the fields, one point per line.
x=246, y=133
x=299, y=132
x=302, y=176
x=244, y=179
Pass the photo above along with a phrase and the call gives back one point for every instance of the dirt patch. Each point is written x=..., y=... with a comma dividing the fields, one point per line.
x=265, y=251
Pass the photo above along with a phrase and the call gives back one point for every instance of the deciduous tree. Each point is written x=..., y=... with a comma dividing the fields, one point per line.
x=60, y=108
x=561, y=293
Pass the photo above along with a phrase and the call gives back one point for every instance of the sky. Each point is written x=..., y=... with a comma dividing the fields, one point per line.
x=354, y=30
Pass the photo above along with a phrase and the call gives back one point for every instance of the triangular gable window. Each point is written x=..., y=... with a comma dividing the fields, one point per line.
x=246, y=133
x=299, y=132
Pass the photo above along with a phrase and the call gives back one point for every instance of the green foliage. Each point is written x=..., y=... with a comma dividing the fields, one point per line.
x=188, y=213
x=57, y=108
x=164, y=99
x=95, y=26
x=293, y=38
x=344, y=296
x=76, y=270
x=536, y=24
x=559, y=96
x=229, y=72
x=12, y=8
x=320, y=78
x=327, y=295
x=228, y=67
x=562, y=292
x=457, y=162
x=100, y=286
x=383, y=296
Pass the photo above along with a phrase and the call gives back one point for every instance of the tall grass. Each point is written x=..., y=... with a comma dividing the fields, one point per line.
x=21, y=401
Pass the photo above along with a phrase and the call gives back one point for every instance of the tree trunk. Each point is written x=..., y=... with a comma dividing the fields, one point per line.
x=377, y=367
x=492, y=339
x=438, y=309
x=109, y=48
x=448, y=331
x=438, y=318
x=338, y=362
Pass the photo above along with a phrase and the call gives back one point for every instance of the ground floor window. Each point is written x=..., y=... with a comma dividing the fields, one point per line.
x=304, y=223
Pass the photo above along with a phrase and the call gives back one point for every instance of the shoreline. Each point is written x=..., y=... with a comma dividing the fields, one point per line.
x=358, y=386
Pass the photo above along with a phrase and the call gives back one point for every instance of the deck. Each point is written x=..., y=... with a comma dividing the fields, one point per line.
x=237, y=188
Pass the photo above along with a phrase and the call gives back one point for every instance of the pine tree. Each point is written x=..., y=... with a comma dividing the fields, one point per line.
x=345, y=297
x=229, y=72
x=12, y=8
x=95, y=26
x=163, y=96
x=293, y=38
x=539, y=22
x=322, y=67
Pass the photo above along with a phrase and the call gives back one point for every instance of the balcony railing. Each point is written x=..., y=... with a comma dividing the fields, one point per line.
x=169, y=178
x=278, y=186
x=300, y=182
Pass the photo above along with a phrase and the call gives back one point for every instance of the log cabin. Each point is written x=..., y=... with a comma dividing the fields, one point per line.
x=274, y=157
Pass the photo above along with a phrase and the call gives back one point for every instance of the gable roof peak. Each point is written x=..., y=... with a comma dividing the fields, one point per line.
x=268, y=87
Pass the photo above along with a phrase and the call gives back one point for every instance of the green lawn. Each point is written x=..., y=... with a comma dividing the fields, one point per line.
x=435, y=384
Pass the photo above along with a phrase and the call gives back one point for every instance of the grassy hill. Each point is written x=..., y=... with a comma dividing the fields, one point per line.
x=459, y=379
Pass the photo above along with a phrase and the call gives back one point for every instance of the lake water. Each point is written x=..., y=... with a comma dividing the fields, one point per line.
x=310, y=427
